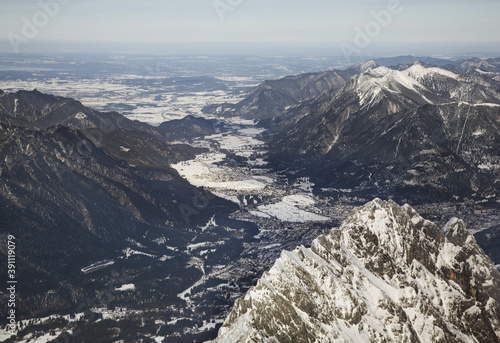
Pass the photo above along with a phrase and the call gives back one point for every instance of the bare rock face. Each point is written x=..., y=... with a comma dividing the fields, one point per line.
x=386, y=275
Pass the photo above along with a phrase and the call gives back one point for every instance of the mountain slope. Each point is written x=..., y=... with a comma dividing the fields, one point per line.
x=137, y=143
x=272, y=97
x=388, y=132
x=70, y=209
x=188, y=127
x=386, y=275
x=71, y=203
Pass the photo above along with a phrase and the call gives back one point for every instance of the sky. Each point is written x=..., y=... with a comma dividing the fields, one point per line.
x=437, y=27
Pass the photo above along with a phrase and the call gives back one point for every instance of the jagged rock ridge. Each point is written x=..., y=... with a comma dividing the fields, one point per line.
x=386, y=275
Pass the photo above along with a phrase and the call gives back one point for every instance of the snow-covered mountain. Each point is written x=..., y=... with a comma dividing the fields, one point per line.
x=386, y=275
x=397, y=132
x=480, y=65
x=272, y=97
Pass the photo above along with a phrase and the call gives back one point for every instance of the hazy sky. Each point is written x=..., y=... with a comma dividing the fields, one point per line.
x=440, y=26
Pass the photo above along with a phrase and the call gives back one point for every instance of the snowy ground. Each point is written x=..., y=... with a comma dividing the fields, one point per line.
x=289, y=209
x=203, y=172
x=231, y=181
x=149, y=88
x=137, y=103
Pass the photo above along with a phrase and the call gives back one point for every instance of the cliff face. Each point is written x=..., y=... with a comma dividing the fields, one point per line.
x=386, y=275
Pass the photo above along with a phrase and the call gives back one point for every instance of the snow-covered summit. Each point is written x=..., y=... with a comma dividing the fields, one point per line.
x=386, y=275
x=362, y=67
x=418, y=72
x=374, y=81
x=418, y=84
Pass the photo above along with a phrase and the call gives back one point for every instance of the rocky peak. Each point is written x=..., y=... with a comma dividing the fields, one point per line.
x=386, y=275
x=363, y=67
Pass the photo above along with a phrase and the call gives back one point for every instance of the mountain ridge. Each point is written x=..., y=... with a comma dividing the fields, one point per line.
x=71, y=201
x=123, y=138
x=380, y=124
x=377, y=278
x=271, y=98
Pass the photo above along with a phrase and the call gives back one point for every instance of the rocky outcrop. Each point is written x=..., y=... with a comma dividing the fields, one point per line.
x=386, y=275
